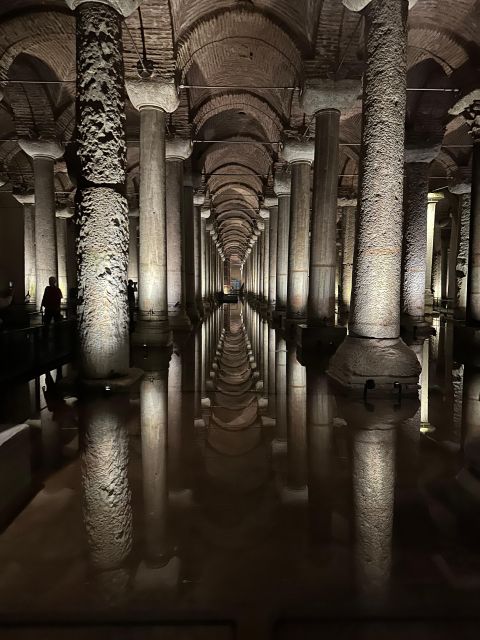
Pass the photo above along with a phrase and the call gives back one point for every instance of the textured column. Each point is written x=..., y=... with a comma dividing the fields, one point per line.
x=348, y=248
x=28, y=202
x=433, y=199
x=133, y=247
x=469, y=107
x=300, y=156
x=417, y=166
x=44, y=154
x=272, y=204
x=463, y=191
x=198, y=201
x=177, y=151
x=154, y=99
x=102, y=210
x=282, y=187
x=373, y=349
x=445, y=242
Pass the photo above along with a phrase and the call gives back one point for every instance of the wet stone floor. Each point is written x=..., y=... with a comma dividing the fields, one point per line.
x=232, y=494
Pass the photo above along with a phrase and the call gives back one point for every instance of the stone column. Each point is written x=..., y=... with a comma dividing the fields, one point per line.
x=177, y=151
x=417, y=167
x=44, y=154
x=265, y=257
x=133, y=246
x=102, y=208
x=61, y=233
x=325, y=104
x=281, y=389
x=204, y=215
x=463, y=190
x=373, y=350
x=445, y=240
x=348, y=241
x=272, y=204
x=296, y=421
x=189, y=214
x=300, y=156
x=433, y=199
x=28, y=201
x=153, y=99
x=469, y=107
x=198, y=201
x=282, y=187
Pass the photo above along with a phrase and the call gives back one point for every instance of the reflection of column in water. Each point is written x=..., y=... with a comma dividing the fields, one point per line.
x=281, y=389
x=175, y=419
x=106, y=492
x=198, y=372
x=471, y=413
x=457, y=384
x=271, y=372
x=434, y=339
x=203, y=362
x=296, y=420
x=424, y=383
x=153, y=419
x=265, y=367
x=320, y=413
x=373, y=495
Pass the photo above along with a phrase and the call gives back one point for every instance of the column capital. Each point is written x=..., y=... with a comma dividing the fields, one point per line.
x=419, y=153
x=298, y=151
x=205, y=212
x=322, y=94
x=469, y=108
x=36, y=148
x=359, y=5
x=123, y=7
x=153, y=93
x=178, y=149
x=264, y=213
x=198, y=199
x=270, y=201
x=24, y=197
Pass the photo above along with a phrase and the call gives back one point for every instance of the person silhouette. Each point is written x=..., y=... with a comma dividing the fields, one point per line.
x=52, y=297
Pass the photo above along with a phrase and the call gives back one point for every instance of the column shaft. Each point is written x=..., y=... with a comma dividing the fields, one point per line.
x=133, y=248
x=266, y=260
x=298, y=248
x=348, y=229
x=29, y=249
x=189, y=245
x=473, y=291
x=283, y=233
x=272, y=281
x=45, y=225
x=461, y=270
x=62, y=250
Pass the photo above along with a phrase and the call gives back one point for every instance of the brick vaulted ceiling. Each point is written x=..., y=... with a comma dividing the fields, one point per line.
x=242, y=64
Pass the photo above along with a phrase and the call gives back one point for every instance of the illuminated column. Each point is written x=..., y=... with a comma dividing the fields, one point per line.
x=204, y=215
x=44, y=154
x=133, y=246
x=348, y=241
x=417, y=168
x=153, y=99
x=325, y=102
x=445, y=242
x=272, y=204
x=296, y=421
x=433, y=199
x=102, y=209
x=188, y=229
x=198, y=201
x=61, y=233
x=463, y=191
x=271, y=372
x=300, y=156
x=265, y=257
x=177, y=150
x=282, y=188
x=469, y=107
x=28, y=201
x=373, y=350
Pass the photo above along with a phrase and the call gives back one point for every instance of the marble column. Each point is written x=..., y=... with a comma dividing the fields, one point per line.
x=469, y=107
x=463, y=191
x=300, y=156
x=153, y=99
x=445, y=243
x=28, y=201
x=282, y=188
x=373, y=350
x=325, y=103
x=61, y=233
x=272, y=204
x=188, y=230
x=433, y=199
x=133, y=246
x=265, y=257
x=198, y=201
x=417, y=168
x=177, y=151
x=102, y=209
x=349, y=215
x=204, y=215
x=44, y=153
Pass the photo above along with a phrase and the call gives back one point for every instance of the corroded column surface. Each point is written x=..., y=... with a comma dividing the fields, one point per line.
x=323, y=250
x=282, y=189
x=415, y=241
x=348, y=242
x=102, y=209
x=473, y=290
x=461, y=270
x=44, y=154
x=373, y=349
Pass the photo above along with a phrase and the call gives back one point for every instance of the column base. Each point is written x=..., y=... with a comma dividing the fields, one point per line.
x=382, y=367
x=155, y=334
x=327, y=338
